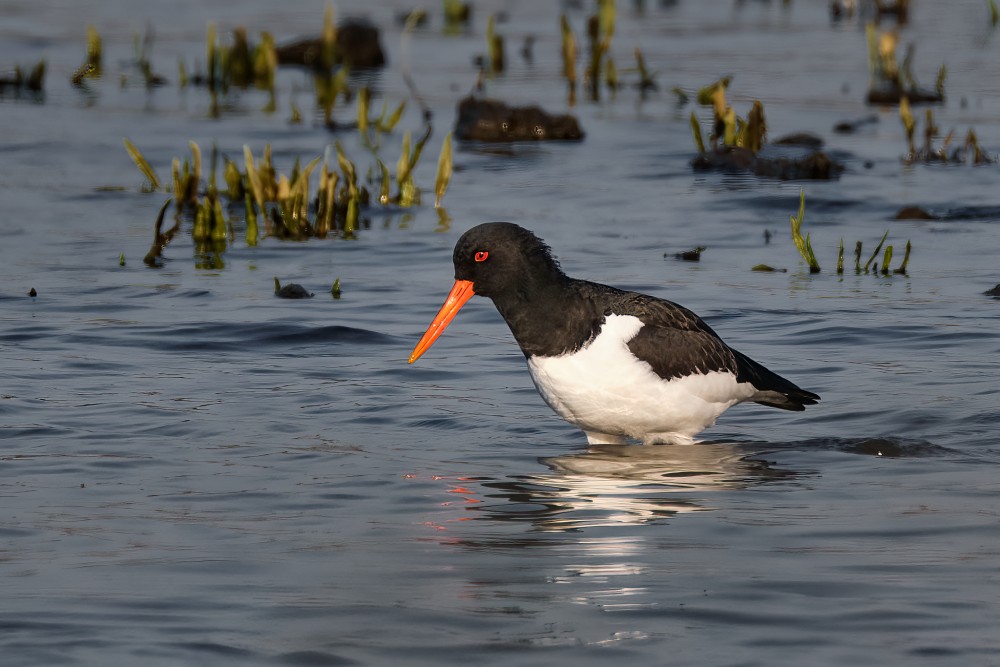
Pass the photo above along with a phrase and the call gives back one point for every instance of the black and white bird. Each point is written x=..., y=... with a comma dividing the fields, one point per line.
x=620, y=365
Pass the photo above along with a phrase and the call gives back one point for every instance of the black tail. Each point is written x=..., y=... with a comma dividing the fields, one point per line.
x=773, y=390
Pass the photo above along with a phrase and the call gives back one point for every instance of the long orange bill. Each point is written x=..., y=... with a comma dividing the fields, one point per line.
x=461, y=292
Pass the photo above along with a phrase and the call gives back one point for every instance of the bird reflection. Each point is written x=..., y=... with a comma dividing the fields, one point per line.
x=616, y=484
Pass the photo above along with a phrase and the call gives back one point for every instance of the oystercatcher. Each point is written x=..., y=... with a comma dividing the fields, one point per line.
x=619, y=365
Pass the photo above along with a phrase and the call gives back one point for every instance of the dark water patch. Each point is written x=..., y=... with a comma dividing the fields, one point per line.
x=230, y=337
x=962, y=213
x=890, y=447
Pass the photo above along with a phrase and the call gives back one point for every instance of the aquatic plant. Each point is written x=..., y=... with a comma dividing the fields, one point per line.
x=600, y=32
x=871, y=266
x=568, y=57
x=749, y=133
x=647, y=79
x=32, y=82
x=891, y=81
x=494, y=46
x=456, y=13
x=735, y=143
x=284, y=203
x=92, y=64
x=804, y=245
x=969, y=152
x=371, y=129
x=444, y=170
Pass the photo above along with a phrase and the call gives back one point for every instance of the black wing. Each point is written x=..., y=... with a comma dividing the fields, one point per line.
x=676, y=343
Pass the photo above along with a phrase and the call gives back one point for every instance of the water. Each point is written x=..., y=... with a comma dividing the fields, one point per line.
x=194, y=472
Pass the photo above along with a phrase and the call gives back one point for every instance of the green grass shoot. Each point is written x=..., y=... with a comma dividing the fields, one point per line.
x=696, y=131
x=875, y=252
x=906, y=260
x=803, y=244
x=886, y=260
x=364, y=100
x=568, y=54
x=329, y=37
x=909, y=123
x=335, y=289
x=494, y=46
x=994, y=13
x=143, y=164
x=840, y=258
x=253, y=178
x=444, y=171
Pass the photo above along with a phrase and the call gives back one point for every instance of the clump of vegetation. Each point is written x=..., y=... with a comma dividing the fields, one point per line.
x=891, y=81
x=494, y=47
x=966, y=153
x=600, y=32
x=727, y=127
x=871, y=266
x=32, y=82
x=734, y=143
x=283, y=203
x=804, y=246
x=92, y=67
x=456, y=13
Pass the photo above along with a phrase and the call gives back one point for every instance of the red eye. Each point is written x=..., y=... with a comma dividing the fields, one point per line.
x=482, y=255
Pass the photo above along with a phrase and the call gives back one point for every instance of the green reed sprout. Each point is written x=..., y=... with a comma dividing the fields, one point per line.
x=94, y=50
x=143, y=164
x=875, y=252
x=335, y=289
x=250, y=216
x=456, y=11
x=840, y=258
x=364, y=99
x=803, y=244
x=444, y=171
x=906, y=260
x=696, y=131
x=886, y=260
x=350, y=174
x=611, y=76
x=568, y=57
x=329, y=55
x=647, y=79
x=494, y=46
x=909, y=123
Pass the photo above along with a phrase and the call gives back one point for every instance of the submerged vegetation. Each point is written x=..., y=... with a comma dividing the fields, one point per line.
x=892, y=81
x=735, y=144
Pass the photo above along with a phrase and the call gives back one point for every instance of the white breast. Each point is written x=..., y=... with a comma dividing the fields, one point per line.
x=609, y=393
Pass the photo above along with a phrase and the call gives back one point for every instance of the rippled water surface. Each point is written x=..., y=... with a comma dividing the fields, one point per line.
x=194, y=472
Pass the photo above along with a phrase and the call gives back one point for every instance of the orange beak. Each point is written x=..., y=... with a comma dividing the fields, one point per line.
x=461, y=292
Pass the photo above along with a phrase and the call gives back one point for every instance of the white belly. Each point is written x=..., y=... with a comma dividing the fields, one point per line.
x=609, y=393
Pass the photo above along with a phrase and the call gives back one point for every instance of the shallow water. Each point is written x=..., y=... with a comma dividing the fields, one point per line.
x=195, y=472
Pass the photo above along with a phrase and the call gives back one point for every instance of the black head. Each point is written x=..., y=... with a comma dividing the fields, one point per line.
x=501, y=258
